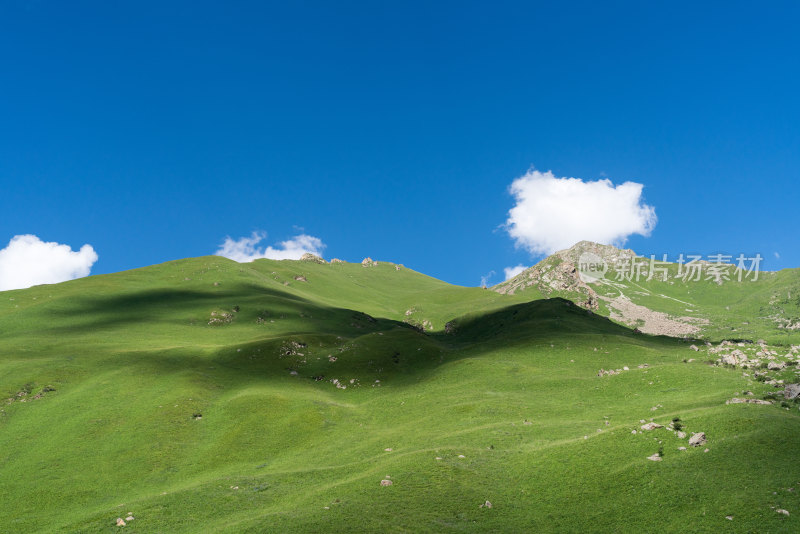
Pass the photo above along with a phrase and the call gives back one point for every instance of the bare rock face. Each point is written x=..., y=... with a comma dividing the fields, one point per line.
x=312, y=258
x=368, y=262
x=336, y=260
x=559, y=272
x=651, y=426
x=698, y=439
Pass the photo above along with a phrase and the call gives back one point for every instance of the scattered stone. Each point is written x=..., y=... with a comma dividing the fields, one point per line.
x=336, y=260
x=301, y=278
x=729, y=517
x=782, y=511
x=791, y=391
x=129, y=518
x=681, y=448
x=654, y=458
x=651, y=426
x=368, y=262
x=706, y=450
x=747, y=401
x=487, y=504
x=438, y=458
x=694, y=348
x=120, y=522
x=776, y=366
x=697, y=439
x=681, y=434
x=388, y=449
x=461, y=456
x=386, y=482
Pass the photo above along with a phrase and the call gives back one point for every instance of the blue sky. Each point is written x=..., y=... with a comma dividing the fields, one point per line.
x=152, y=131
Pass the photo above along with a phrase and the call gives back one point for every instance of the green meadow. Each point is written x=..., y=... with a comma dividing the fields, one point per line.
x=204, y=395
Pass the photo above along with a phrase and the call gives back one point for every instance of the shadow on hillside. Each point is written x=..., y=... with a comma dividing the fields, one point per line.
x=320, y=332
x=248, y=305
x=537, y=318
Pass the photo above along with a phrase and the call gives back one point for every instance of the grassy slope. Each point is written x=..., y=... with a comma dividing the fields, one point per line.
x=132, y=358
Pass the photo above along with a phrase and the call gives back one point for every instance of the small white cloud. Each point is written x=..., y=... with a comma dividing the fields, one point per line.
x=28, y=261
x=245, y=249
x=554, y=213
x=511, y=272
x=777, y=256
x=485, y=278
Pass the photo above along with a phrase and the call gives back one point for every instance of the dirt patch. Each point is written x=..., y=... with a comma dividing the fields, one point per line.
x=651, y=322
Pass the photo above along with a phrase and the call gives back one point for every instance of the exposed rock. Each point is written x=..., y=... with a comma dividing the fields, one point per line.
x=450, y=327
x=734, y=358
x=120, y=522
x=312, y=258
x=791, y=391
x=559, y=273
x=487, y=504
x=336, y=260
x=736, y=400
x=300, y=278
x=782, y=511
x=386, y=482
x=776, y=366
x=654, y=458
x=651, y=426
x=368, y=262
x=694, y=348
x=681, y=434
x=697, y=439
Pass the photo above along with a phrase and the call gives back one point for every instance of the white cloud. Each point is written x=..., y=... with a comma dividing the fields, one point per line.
x=511, y=272
x=28, y=261
x=245, y=249
x=485, y=278
x=777, y=256
x=554, y=213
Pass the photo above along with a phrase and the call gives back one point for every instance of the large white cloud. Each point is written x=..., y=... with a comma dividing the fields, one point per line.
x=28, y=261
x=246, y=249
x=554, y=213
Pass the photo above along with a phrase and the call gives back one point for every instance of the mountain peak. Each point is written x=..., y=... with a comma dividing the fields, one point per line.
x=559, y=272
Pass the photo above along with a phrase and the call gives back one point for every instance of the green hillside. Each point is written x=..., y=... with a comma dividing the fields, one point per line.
x=204, y=395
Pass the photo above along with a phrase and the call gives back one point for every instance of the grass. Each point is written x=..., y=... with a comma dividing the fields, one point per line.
x=132, y=360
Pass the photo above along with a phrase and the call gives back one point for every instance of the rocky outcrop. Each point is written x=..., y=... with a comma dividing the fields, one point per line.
x=559, y=273
x=312, y=258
